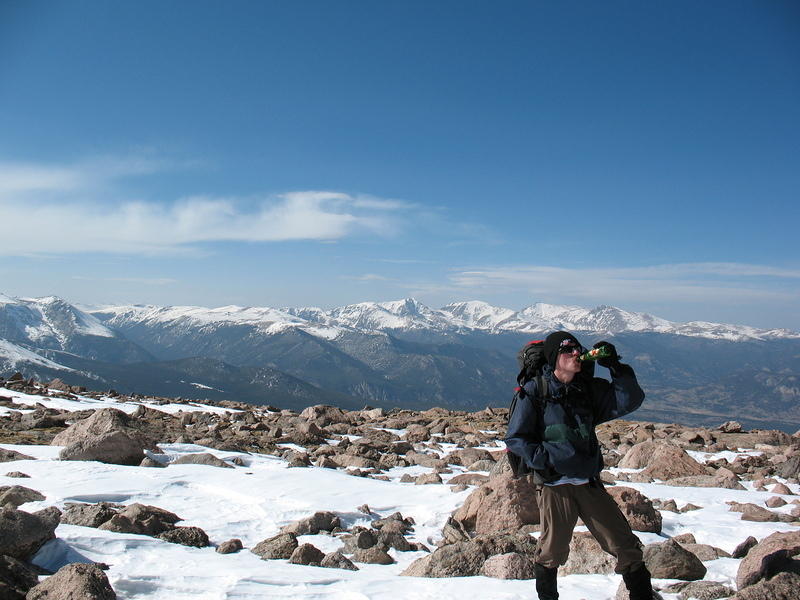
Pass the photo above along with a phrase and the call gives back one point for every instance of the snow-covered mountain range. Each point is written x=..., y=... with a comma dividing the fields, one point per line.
x=412, y=315
x=400, y=353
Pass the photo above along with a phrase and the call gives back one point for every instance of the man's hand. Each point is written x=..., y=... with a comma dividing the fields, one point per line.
x=609, y=361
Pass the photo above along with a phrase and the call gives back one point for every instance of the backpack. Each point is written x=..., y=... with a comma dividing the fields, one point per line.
x=531, y=359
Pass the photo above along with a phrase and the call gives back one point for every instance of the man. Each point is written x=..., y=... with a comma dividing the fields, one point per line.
x=553, y=431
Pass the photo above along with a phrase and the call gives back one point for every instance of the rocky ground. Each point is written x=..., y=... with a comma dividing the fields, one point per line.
x=491, y=534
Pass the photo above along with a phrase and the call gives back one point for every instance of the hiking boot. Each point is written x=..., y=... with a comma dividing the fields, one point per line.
x=638, y=583
x=546, y=585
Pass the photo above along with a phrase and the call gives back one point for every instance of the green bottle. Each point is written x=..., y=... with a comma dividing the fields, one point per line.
x=595, y=353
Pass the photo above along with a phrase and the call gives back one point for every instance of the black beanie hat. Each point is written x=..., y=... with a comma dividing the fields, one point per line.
x=553, y=342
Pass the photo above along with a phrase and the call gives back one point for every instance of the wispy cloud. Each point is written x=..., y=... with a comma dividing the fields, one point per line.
x=52, y=201
x=687, y=282
x=366, y=277
x=136, y=280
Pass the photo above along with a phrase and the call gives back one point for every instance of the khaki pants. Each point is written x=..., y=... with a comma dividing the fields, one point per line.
x=561, y=505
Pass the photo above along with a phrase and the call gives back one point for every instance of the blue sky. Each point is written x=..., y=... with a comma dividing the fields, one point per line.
x=639, y=154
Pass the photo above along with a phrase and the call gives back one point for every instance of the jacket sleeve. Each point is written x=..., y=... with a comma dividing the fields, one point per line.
x=521, y=437
x=618, y=398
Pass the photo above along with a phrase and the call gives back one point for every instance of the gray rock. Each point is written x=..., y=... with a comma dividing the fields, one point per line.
x=742, y=549
x=373, y=555
x=699, y=590
x=508, y=566
x=337, y=560
x=586, y=556
x=12, y=455
x=17, y=495
x=279, y=546
x=16, y=578
x=76, y=581
x=230, y=547
x=319, y=521
x=789, y=468
x=142, y=519
x=771, y=555
x=307, y=554
x=462, y=559
x=393, y=539
x=202, y=458
x=427, y=479
x=637, y=508
x=89, y=515
x=18, y=475
x=106, y=436
x=186, y=536
x=359, y=540
x=22, y=533
x=706, y=552
x=784, y=586
x=669, y=560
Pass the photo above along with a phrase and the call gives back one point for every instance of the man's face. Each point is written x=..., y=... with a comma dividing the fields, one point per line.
x=568, y=358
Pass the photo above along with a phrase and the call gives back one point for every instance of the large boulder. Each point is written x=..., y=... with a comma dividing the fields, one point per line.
x=789, y=468
x=637, y=508
x=278, y=546
x=15, y=496
x=509, y=566
x=12, y=455
x=89, y=515
x=502, y=503
x=669, y=560
x=586, y=556
x=142, y=519
x=16, y=578
x=22, y=533
x=76, y=581
x=186, y=536
x=669, y=461
x=773, y=554
x=201, y=458
x=323, y=415
x=107, y=436
x=638, y=456
x=319, y=521
x=784, y=586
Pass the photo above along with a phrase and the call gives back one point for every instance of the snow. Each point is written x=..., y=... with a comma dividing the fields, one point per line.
x=14, y=355
x=252, y=502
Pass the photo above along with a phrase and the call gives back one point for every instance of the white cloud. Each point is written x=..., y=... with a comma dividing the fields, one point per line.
x=62, y=205
x=691, y=282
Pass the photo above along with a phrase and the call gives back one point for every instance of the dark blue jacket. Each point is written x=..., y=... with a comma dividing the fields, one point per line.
x=557, y=438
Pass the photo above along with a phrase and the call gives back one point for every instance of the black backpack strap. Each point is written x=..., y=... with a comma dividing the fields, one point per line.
x=542, y=389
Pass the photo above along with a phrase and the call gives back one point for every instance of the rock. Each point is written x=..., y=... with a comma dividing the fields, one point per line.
x=771, y=555
x=685, y=538
x=669, y=560
x=360, y=540
x=699, y=590
x=88, y=515
x=669, y=461
x=775, y=502
x=319, y=521
x=22, y=533
x=502, y=503
x=789, y=468
x=337, y=560
x=759, y=514
x=462, y=559
x=18, y=474
x=390, y=539
x=417, y=433
x=742, y=549
x=637, y=508
x=586, y=556
x=782, y=489
x=76, y=581
x=279, y=546
x=203, y=458
x=705, y=481
x=16, y=578
x=783, y=586
x=150, y=462
x=706, y=552
x=731, y=427
x=623, y=594
x=468, y=456
x=142, y=519
x=307, y=554
x=468, y=479
x=372, y=555
x=230, y=547
x=186, y=536
x=454, y=531
x=481, y=465
x=106, y=436
x=323, y=415
x=17, y=495
x=638, y=456
x=427, y=479
x=12, y=455
x=508, y=566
